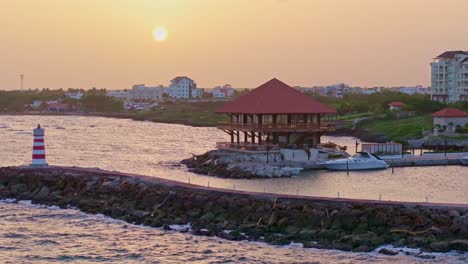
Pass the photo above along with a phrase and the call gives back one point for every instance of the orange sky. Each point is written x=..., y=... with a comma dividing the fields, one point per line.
x=108, y=43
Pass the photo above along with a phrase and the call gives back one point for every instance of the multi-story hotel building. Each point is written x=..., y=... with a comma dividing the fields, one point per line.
x=183, y=87
x=450, y=77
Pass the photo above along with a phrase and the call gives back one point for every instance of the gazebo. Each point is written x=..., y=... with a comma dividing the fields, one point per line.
x=274, y=115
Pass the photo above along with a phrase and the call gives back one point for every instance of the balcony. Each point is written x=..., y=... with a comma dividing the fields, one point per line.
x=247, y=147
x=301, y=127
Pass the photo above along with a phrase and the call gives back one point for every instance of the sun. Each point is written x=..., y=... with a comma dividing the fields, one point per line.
x=160, y=34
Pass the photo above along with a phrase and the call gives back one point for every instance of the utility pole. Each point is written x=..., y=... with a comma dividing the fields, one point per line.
x=22, y=80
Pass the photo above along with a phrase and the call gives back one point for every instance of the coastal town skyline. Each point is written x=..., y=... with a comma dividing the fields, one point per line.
x=372, y=44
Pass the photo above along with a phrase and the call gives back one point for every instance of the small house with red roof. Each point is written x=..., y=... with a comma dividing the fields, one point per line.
x=274, y=115
x=450, y=118
x=395, y=106
x=58, y=107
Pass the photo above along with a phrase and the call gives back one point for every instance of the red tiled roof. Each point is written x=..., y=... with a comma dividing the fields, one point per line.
x=451, y=54
x=396, y=104
x=275, y=97
x=450, y=112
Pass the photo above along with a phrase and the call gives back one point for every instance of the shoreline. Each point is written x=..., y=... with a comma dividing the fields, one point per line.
x=361, y=134
x=319, y=222
x=112, y=115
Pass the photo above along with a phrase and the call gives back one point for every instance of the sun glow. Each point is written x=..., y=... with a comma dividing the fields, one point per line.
x=160, y=34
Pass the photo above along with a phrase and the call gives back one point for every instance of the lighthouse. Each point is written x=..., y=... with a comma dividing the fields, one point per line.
x=38, y=154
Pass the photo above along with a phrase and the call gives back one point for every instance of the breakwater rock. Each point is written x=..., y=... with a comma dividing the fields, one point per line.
x=228, y=164
x=352, y=225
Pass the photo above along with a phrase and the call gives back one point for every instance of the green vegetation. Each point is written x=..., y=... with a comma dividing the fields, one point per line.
x=407, y=124
x=377, y=103
x=199, y=113
x=96, y=101
x=400, y=130
x=20, y=100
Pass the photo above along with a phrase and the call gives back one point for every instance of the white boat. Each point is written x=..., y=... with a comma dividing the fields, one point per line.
x=360, y=161
x=464, y=160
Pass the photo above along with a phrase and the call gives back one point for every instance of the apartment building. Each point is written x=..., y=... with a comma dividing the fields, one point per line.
x=223, y=91
x=449, y=75
x=183, y=87
x=140, y=92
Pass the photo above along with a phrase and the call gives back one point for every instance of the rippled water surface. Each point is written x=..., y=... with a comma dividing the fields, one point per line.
x=37, y=234
x=155, y=149
x=34, y=234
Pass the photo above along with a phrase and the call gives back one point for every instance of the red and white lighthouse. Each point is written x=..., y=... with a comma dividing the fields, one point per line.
x=38, y=155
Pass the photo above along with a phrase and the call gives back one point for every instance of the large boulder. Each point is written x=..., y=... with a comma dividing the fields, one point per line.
x=459, y=244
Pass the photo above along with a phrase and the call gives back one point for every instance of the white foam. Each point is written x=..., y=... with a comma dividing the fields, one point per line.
x=181, y=227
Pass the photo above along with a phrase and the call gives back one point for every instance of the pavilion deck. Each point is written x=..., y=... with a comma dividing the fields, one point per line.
x=301, y=127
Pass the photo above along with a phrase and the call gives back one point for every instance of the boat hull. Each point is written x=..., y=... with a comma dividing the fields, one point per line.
x=356, y=166
x=464, y=161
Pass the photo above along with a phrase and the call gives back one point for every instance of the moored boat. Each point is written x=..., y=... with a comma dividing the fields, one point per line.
x=360, y=161
x=464, y=160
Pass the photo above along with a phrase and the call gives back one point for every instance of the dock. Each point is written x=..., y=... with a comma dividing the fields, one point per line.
x=428, y=159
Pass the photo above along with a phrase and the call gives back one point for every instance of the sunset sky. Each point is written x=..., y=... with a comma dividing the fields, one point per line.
x=110, y=43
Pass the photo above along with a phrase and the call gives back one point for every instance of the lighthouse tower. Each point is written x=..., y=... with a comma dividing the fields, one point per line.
x=38, y=155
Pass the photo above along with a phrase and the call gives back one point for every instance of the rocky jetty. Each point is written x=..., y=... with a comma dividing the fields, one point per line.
x=351, y=225
x=228, y=164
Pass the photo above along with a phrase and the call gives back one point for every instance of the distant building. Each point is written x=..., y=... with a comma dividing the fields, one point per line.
x=183, y=87
x=450, y=118
x=414, y=90
x=336, y=90
x=372, y=90
x=36, y=104
x=223, y=91
x=74, y=95
x=395, y=106
x=449, y=74
x=122, y=95
x=140, y=92
x=58, y=107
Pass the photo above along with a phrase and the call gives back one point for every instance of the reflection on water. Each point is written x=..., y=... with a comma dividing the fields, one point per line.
x=155, y=149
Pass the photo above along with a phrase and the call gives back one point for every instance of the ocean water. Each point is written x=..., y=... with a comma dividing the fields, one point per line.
x=41, y=234
x=155, y=149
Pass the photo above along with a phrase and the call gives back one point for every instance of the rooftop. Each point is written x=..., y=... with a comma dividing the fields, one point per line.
x=275, y=97
x=450, y=112
x=451, y=54
x=396, y=104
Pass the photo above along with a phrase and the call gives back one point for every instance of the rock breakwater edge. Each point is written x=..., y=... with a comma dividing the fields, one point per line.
x=236, y=165
x=344, y=224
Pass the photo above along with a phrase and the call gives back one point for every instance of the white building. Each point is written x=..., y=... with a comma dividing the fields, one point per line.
x=372, y=90
x=122, y=95
x=223, y=91
x=74, y=95
x=183, y=87
x=449, y=119
x=414, y=90
x=450, y=77
x=147, y=93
